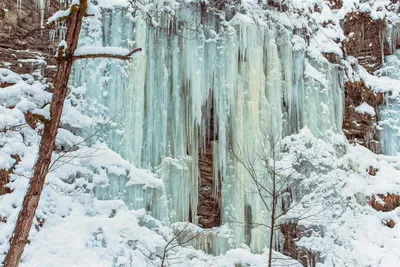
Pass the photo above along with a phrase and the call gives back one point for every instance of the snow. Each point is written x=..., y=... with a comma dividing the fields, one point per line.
x=364, y=108
x=59, y=15
x=380, y=84
x=33, y=61
x=113, y=3
x=12, y=95
x=63, y=43
x=8, y=76
x=92, y=10
x=353, y=233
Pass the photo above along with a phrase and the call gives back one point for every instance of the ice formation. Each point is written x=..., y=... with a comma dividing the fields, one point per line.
x=389, y=113
x=251, y=77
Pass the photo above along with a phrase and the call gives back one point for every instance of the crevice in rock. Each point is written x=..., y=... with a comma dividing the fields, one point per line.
x=248, y=224
x=209, y=202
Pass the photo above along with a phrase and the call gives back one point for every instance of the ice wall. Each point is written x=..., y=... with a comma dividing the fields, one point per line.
x=389, y=112
x=258, y=77
x=389, y=121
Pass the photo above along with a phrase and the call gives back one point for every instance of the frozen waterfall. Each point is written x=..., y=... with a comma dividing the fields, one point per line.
x=389, y=112
x=241, y=76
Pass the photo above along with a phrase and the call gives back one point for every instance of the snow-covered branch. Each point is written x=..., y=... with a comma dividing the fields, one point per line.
x=107, y=52
x=74, y=7
x=64, y=14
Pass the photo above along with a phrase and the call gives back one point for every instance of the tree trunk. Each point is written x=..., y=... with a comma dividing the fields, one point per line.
x=32, y=197
x=273, y=209
x=271, y=238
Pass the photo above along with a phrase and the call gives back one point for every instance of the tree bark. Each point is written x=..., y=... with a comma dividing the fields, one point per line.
x=107, y=55
x=32, y=197
x=273, y=210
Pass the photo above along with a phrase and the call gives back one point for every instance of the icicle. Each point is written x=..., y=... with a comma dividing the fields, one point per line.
x=41, y=6
x=19, y=6
x=52, y=35
x=62, y=28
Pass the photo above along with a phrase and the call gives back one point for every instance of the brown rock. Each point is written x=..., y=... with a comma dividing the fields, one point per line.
x=23, y=62
x=292, y=233
x=4, y=179
x=372, y=171
x=359, y=127
x=332, y=58
x=5, y=176
x=20, y=28
x=391, y=201
x=336, y=4
x=390, y=223
x=365, y=39
x=39, y=223
x=21, y=37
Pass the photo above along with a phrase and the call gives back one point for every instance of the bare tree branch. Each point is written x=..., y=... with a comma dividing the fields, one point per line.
x=128, y=56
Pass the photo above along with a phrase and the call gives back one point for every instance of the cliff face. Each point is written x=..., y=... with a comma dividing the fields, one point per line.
x=360, y=127
x=292, y=234
x=365, y=39
x=21, y=29
x=366, y=42
x=385, y=203
x=24, y=45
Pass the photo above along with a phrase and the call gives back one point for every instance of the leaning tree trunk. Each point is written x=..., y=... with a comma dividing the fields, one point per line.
x=32, y=197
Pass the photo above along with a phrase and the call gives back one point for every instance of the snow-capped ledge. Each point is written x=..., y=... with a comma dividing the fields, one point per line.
x=364, y=108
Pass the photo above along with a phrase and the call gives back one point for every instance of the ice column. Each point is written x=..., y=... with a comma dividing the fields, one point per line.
x=389, y=112
x=323, y=97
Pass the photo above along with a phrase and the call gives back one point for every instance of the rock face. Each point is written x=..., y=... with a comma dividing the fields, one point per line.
x=385, y=203
x=292, y=233
x=5, y=176
x=336, y=4
x=20, y=28
x=209, y=210
x=22, y=62
x=24, y=45
x=365, y=40
x=4, y=180
x=359, y=127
